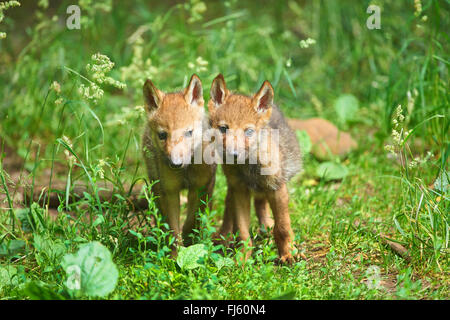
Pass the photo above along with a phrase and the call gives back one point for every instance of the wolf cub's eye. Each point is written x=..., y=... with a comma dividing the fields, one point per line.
x=223, y=129
x=249, y=132
x=188, y=134
x=162, y=135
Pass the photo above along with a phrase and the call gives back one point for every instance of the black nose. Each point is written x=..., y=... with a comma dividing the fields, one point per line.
x=176, y=165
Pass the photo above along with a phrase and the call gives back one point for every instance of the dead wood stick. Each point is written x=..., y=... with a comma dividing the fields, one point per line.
x=53, y=198
x=396, y=247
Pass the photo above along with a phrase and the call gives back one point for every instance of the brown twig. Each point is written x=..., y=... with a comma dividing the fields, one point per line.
x=42, y=196
x=394, y=246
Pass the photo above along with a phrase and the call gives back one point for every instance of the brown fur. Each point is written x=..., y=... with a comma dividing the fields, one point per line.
x=239, y=112
x=175, y=114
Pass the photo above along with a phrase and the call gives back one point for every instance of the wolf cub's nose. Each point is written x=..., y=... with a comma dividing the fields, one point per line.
x=176, y=164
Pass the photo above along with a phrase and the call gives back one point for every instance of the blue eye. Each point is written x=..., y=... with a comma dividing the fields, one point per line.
x=162, y=135
x=223, y=129
x=188, y=134
x=249, y=132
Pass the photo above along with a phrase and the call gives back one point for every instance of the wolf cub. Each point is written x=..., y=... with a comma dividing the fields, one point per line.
x=173, y=134
x=253, y=121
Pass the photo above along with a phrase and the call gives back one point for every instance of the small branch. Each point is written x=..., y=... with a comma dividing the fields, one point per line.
x=396, y=247
x=42, y=196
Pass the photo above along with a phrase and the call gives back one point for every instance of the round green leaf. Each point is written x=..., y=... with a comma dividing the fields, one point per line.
x=346, y=107
x=91, y=270
x=441, y=183
x=223, y=262
x=8, y=276
x=188, y=257
x=331, y=171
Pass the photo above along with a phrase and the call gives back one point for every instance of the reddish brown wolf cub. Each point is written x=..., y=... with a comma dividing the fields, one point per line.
x=247, y=118
x=176, y=122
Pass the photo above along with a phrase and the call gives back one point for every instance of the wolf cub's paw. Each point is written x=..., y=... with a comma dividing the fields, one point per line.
x=286, y=259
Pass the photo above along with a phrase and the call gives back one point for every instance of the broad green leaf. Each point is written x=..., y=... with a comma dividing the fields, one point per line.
x=23, y=215
x=304, y=141
x=331, y=171
x=31, y=218
x=91, y=270
x=12, y=247
x=41, y=291
x=223, y=262
x=346, y=107
x=8, y=276
x=100, y=219
x=290, y=295
x=441, y=183
x=80, y=239
x=188, y=257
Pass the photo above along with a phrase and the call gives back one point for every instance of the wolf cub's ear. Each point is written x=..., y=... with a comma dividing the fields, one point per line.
x=263, y=99
x=219, y=91
x=152, y=96
x=193, y=94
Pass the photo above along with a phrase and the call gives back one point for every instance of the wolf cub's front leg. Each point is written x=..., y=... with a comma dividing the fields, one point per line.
x=238, y=208
x=279, y=202
x=201, y=184
x=169, y=204
x=263, y=212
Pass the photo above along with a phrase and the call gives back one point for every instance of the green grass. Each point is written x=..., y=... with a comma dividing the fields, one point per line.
x=336, y=223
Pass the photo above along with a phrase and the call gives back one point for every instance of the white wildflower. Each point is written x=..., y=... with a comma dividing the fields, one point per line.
x=101, y=66
x=289, y=63
x=390, y=148
x=127, y=114
x=140, y=110
x=93, y=92
x=97, y=70
x=5, y=5
x=200, y=65
x=90, y=7
x=100, y=171
x=43, y=4
x=56, y=87
x=196, y=9
x=398, y=135
x=411, y=98
x=69, y=156
x=417, y=7
x=307, y=43
x=67, y=141
x=413, y=163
